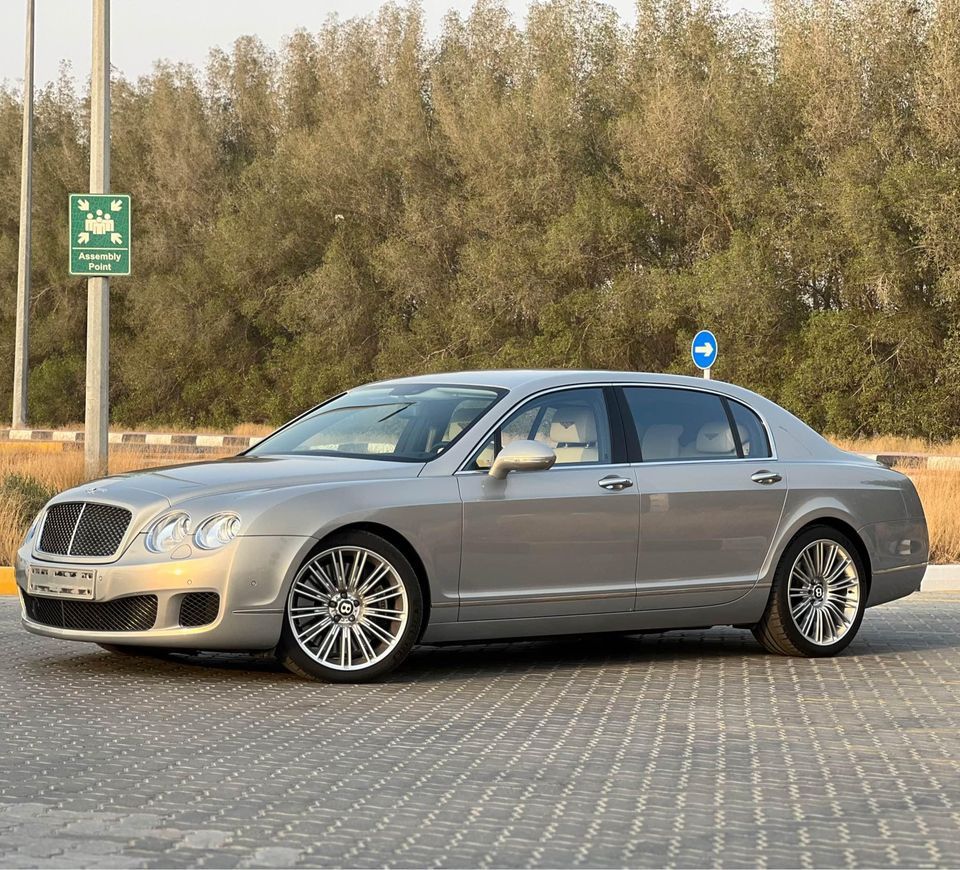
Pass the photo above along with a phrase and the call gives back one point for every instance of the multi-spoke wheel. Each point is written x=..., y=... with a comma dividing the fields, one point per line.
x=353, y=611
x=818, y=596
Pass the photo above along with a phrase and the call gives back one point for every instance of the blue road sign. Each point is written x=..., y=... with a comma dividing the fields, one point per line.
x=704, y=349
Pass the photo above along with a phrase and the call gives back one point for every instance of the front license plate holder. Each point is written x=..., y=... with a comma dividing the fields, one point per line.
x=53, y=582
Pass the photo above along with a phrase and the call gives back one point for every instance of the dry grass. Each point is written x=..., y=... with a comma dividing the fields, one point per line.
x=891, y=444
x=56, y=469
x=940, y=493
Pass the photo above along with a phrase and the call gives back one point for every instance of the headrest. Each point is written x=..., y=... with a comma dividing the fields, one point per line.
x=716, y=438
x=574, y=426
x=661, y=441
x=459, y=421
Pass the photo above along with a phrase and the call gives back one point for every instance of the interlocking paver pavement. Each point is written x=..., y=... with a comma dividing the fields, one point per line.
x=686, y=749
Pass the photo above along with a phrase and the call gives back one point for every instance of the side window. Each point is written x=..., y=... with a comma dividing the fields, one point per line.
x=676, y=424
x=753, y=437
x=572, y=422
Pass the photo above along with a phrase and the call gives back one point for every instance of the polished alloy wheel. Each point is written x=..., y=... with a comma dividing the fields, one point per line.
x=824, y=592
x=347, y=608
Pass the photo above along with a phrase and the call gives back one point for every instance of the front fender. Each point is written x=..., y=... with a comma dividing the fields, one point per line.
x=425, y=511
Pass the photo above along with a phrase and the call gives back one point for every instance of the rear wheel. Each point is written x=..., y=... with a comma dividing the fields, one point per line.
x=818, y=597
x=353, y=612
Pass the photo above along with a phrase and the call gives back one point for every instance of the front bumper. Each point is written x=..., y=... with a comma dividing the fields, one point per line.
x=251, y=576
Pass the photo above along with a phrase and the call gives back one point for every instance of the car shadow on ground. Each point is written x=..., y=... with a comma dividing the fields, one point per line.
x=486, y=660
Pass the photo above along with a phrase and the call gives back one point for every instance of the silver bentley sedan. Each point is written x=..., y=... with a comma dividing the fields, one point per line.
x=482, y=505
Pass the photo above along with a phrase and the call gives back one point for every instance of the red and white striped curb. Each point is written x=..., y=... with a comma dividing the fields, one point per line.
x=152, y=439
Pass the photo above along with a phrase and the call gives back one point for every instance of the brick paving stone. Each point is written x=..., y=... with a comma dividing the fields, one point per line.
x=686, y=749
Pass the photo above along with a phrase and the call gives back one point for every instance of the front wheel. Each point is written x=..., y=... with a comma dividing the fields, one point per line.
x=818, y=597
x=353, y=612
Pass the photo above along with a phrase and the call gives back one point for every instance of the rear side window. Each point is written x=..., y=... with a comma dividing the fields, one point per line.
x=676, y=424
x=753, y=437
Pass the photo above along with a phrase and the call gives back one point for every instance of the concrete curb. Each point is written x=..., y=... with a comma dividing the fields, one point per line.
x=941, y=578
x=168, y=440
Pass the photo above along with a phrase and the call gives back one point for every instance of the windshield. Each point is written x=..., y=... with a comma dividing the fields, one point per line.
x=405, y=423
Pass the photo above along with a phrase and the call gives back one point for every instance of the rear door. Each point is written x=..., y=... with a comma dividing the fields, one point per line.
x=711, y=495
x=557, y=542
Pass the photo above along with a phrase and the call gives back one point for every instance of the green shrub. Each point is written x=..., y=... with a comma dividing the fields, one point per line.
x=27, y=490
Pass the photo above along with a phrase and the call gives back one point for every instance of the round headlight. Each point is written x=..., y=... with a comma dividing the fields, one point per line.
x=168, y=532
x=216, y=531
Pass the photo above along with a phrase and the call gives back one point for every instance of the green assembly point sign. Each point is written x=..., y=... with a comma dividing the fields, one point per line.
x=99, y=234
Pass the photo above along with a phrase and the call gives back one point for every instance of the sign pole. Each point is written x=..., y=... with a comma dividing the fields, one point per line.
x=21, y=359
x=98, y=289
x=706, y=374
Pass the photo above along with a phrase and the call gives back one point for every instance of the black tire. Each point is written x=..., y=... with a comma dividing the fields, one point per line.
x=778, y=630
x=153, y=652
x=292, y=654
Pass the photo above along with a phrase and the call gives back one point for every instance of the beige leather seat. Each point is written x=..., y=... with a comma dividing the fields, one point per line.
x=660, y=442
x=573, y=435
x=713, y=439
x=461, y=418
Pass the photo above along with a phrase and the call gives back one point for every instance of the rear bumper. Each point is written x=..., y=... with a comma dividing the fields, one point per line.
x=895, y=583
x=251, y=577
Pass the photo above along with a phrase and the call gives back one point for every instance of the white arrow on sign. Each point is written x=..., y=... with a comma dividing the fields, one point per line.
x=116, y=205
x=83, y=204
x=116, y=238
x=83, y=238
x=704, y=349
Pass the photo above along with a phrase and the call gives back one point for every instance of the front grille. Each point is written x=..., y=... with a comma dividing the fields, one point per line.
x=79, y=528
x=199, y=608
x=135, y=613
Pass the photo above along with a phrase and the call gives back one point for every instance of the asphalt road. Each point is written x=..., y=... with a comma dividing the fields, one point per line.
x=686, y=749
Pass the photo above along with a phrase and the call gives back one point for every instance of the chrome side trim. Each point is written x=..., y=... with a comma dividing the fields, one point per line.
x=549, y=599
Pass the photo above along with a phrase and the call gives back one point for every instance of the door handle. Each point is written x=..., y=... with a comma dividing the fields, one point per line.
x=766, y=477
x=611, y=481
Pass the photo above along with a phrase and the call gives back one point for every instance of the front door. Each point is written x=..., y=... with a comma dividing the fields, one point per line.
x=556, y=542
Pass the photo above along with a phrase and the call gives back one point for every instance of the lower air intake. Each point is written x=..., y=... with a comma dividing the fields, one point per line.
x=199, y=608
x=135, y=613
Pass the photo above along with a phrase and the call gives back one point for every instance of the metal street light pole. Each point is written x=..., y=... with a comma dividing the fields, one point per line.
x=22, y=343
x=98, y=289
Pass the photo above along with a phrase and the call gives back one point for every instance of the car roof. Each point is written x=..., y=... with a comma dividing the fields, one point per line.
x=534, y=379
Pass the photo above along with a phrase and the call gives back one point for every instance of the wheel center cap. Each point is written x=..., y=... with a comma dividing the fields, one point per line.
x=345, y=607
x=818, y=592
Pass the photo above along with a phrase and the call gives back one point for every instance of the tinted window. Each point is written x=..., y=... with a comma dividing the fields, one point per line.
x=753, y=436
x=572, y=422
x=680, y=424
x=407, y=422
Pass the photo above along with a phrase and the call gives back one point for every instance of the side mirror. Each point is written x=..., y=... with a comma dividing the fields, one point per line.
x=522, y=456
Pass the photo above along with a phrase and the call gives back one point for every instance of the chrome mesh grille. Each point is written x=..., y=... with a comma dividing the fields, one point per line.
x=58, y=527
x=135, y=613
x=78, y=528
x=199, y=608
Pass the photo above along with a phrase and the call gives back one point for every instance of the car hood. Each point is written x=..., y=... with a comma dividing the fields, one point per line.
x=176, y=483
